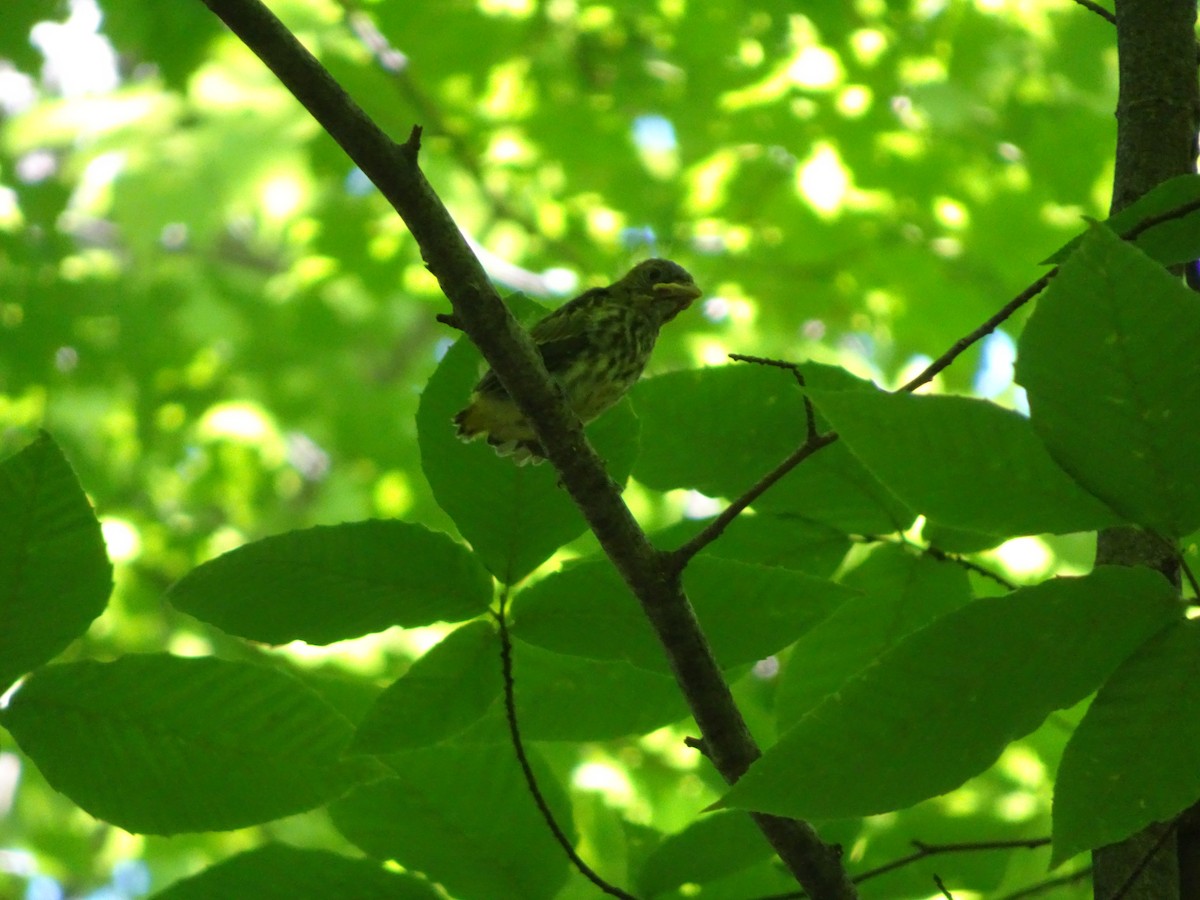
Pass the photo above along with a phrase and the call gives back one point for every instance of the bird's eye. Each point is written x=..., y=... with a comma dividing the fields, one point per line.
x=654, y=274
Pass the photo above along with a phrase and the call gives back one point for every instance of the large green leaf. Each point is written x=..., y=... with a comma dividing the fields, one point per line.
x=444, y=691
x=1109, y=360
x=1135, y=757
x=748, y=612
x=941, y=705
x=54, y=574
x=900, y=593
x=719, y=430
x=334, y=582
x=563, y=697
x=462, y=815
x=280, y=872
x=161, y=745
x=514, y=516
x=965, y=463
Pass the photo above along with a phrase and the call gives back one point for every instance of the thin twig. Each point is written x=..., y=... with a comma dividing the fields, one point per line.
x=924, y=851
x=975, y=567
x=535, y=791
x=1098, y=10
x=1190, y=576
x=677, y=559
x=1028, y=294
x=1149, y=222
x=810, y=414
x=792, y=367
x=813, y=441
x=937, y=879
x=982, y=331
x=1049, y=884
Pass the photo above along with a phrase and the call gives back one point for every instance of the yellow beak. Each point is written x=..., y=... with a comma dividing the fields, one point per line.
x=681, y=293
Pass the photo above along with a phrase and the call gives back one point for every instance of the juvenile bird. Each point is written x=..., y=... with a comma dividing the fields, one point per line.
x=594, y=347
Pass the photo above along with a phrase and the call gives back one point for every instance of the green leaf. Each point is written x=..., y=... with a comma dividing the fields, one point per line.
x=748, y=612
x=514, y=516
x=175, y=745
x=941, y=705
x=569, y=698
x=462, y=815
x=1169, y=243
x=54, y=574
x=768, y=539
x=1109, y=360
x=719, y=430
x=330, y=583
x=712, y=847
x=280, y=872
x=1135, y=757
x=900, y=593
x=967, y=464
x=444, y=692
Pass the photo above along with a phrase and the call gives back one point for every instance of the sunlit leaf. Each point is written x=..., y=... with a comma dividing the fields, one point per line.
x=329, y=583
x=54, y=574
x=443, y=692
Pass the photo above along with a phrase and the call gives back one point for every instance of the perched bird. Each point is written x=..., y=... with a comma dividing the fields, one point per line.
x=594, y=347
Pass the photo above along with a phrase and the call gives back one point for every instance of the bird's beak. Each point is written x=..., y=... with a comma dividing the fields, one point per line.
x=682, y=294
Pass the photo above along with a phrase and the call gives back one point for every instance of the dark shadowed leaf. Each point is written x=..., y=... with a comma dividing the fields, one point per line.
x=967, y=464
x=1109, y=360
x=1135, y=757
x=719, y=430
x=461, y=815
x=280, y=872
x=941, y=705
x=899, y=593
x=748, y=612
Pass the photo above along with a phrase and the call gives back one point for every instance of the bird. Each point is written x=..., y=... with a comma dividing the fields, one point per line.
x=594, y=347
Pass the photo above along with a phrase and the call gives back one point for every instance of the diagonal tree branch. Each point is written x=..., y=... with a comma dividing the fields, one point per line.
x=506, y=347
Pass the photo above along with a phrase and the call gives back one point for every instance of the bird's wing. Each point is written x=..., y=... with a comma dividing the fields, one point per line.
x=559, y=337
x=564, y=334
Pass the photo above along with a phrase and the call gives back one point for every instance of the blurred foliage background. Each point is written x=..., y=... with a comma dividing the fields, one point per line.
x=227, y=329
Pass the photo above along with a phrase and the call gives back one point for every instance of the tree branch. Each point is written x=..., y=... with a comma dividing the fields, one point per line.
x=506, y=347
x=1157, y=106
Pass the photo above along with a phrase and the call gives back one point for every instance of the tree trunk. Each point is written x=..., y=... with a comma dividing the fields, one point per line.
x=1156, y=140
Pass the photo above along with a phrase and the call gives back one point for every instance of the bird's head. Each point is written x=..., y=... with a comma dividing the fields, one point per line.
x=666, y=285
